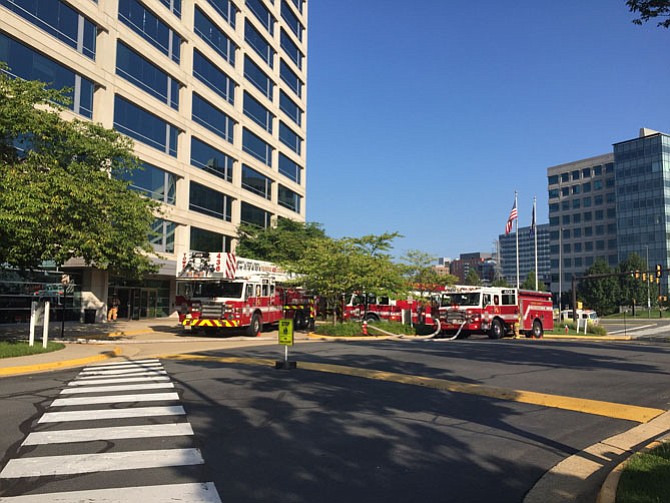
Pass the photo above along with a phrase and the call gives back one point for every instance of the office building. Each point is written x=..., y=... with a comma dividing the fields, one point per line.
x=213, y=92
x=507, y=252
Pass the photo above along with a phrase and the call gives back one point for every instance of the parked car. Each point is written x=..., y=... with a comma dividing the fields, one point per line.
x=583, y=314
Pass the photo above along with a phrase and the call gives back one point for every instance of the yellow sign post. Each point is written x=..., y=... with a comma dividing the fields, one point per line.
x=285, y=338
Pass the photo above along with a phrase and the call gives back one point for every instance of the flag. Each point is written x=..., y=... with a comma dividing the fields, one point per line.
x=512, y=216
x=532, y=221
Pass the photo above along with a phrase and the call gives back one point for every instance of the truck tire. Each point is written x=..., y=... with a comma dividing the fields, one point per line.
x=256, y=326
x=371, y=317
x=300, y=320
x=538, y=330
x=497, y=330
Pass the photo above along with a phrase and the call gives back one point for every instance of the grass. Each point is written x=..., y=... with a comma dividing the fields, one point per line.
x=353, y=329
x=10, y=349
x=591, y=330
x=646, y=477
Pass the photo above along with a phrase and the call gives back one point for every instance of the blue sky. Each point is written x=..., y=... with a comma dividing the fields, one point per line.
x=425, y=116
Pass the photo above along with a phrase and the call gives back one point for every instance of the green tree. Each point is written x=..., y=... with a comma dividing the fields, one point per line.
x=421, y=275
x=599, y=293
x=632, y=290
x=472, y=278
x=650, y=9
x=529, y=283
x=501, y=282
x=283, y=243
x=63, y=194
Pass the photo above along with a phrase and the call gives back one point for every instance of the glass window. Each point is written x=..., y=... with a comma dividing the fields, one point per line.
x=566, y=219
x=586, y=202
x=586, y=187
x=27, y=64
x=207, y=115
x=153, y=182
x=145, y=23
x=291, y=49
x=565, y=177
x=576, y=189
x=575, y=175
x=255, y=182
x=262, y=14
x=586, y=173
x=575, y=204
x=60, y=21
x=291, y=20
x=215, y=38
x=298, y=5
x=598, y=200
x=289, y=138
x=290, y=108
x=162, y=235
x=209, y=202
x=210, y=75
x=148, y=77
x=173, y=6
x=209, y=159
x=576, y=218
x=597, y=170
x=609, y=167
x=597, y=184
x=553, y=193
x=144, y=126
x=288, y=199
x=289, y=168
x=257, y=112
x=258, y=77
x=290, y=78
x=565, y=191
x=256, y=147
x=262, y=47
x=553, y=180
x=577, y=233
x=251, y=214
x=226, y=9
x=207, y=241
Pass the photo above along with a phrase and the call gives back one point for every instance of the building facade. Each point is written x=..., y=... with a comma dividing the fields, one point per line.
x=507, y=251
x=481, y=263
x=213, y=93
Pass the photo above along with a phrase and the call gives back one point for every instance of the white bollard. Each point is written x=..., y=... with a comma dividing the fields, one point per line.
x=34, y=313
x=45, y=328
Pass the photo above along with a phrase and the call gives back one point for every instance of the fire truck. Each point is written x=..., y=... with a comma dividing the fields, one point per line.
x=494, y=311
x=371, y=308
x=220, y=291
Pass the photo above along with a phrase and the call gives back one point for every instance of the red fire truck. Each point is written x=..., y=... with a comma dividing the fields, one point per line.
x=494, y=311
x=220, y=291
x=372, y=308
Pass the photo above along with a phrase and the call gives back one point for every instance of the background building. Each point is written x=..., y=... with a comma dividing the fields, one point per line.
x=482, y=263
x=212, y=91
x=507, y=250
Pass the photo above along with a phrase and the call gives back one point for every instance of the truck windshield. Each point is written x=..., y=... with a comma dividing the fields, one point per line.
x=461, y=299
x=218, y=289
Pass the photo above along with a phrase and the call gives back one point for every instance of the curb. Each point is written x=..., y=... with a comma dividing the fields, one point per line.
x=42, y=367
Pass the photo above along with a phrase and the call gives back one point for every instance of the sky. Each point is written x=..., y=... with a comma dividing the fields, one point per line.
x=425, y=116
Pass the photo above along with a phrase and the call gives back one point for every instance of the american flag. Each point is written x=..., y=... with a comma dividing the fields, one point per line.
x=512, y=216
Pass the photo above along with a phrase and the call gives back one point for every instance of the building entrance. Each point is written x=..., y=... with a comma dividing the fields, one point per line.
x=135, y=303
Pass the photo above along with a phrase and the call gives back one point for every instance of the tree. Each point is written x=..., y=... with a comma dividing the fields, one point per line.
x=650, y=9
x=599, y=293
x=472, y=278
x=421, y=275
x=283, y=243
x=633, y=290
x=529, y=283
x=62, y=194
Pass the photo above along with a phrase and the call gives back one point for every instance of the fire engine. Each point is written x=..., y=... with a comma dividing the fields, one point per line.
x=221, y=291
x=494, y=311
x=372, y=308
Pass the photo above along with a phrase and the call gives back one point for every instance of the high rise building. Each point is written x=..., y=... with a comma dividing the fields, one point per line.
x=527, y=255
x=213, y=92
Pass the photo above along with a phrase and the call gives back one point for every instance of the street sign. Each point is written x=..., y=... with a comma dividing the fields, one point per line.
x=285, y=334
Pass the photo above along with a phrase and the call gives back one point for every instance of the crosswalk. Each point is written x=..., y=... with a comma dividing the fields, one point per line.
x=117, y=434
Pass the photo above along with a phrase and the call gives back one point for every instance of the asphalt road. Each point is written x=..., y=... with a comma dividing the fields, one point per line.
x=308, y=435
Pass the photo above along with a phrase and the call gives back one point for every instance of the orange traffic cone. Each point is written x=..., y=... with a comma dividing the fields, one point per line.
x=365, y=328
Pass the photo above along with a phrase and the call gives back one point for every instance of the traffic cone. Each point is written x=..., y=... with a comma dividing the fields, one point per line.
x=365, y=327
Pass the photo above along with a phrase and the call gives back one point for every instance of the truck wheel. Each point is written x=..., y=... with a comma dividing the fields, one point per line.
x=256, y=326
x=538, y=330
x=371, y=318
x=300, y=320
x=497, y=331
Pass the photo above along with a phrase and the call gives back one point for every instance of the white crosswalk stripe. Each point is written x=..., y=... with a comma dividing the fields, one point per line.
x=111, y=392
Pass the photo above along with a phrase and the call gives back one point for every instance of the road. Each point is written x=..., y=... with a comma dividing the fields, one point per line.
x=333, y=430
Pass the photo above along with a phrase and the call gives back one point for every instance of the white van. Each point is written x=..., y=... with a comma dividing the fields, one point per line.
x=583, y=314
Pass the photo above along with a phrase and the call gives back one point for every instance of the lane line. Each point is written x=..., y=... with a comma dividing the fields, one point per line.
x=92, y=415
x=183, y=493
x=112, y=433
x=94, y=400
x=122, y=387
x=106, y=462
x=583, y=405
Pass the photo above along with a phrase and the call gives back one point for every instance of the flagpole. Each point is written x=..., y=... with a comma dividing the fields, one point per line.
x=517, y=240
x=534, y=224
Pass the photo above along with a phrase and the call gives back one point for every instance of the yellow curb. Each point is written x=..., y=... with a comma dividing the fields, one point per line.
x=583, y=405
x=40, y=367
x=312, y=335
x=590, y=337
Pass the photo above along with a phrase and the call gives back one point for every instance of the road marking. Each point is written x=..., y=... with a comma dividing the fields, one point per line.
x=112, y=433
x=87, y=415
x=630, y=329
x=121, y=371
x=125, y=362
x=109, y=461
x=93, y=400
x=183, y=493
x=583, y=405
x=114, y=380
x=123, y=387
x=155, y=373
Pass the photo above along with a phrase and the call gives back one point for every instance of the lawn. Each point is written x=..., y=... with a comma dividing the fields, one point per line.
x=646, y=477
x=11, y=349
